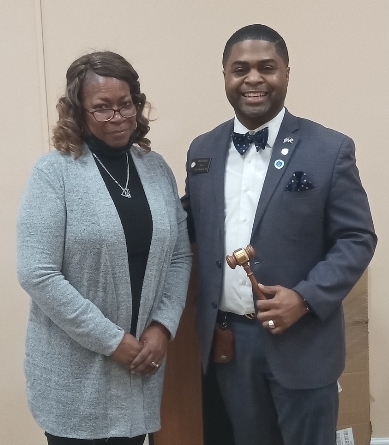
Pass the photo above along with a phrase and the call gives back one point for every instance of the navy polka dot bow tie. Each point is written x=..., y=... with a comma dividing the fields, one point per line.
x=242, y=141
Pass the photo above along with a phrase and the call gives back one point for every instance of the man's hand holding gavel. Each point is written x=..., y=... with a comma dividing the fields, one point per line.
x=277, y=307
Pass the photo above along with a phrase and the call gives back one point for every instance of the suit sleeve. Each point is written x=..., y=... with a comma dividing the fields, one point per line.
x=350, y=238
x=185, y=200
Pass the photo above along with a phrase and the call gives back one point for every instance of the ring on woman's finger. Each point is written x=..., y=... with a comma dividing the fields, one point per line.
x=154, y=364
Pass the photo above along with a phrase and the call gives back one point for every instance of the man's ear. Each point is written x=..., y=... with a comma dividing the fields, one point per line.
x=287, y=72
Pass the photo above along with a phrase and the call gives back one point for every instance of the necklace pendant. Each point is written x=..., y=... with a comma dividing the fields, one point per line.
x=126, y=193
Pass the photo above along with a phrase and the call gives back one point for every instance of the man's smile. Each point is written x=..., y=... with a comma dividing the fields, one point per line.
x=254, y=94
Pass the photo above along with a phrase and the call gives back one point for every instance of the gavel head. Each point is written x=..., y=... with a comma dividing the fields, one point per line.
x=240, y=256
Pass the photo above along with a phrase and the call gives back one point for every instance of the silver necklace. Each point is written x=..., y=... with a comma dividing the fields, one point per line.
x=125, y=190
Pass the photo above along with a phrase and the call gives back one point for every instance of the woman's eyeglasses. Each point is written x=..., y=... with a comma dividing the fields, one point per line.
x=107, y=114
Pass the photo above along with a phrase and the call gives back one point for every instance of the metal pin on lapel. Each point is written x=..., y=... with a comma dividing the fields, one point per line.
x=288, y=140
x=285, y=151
x=279, y=163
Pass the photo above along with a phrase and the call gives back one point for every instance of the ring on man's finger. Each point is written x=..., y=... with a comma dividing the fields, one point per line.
x=271, y=324
x=156, y=365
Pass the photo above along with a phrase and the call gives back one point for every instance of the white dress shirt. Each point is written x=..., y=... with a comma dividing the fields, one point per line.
x=244, y=178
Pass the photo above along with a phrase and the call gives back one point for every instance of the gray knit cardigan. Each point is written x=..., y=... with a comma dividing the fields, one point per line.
x=72, y=261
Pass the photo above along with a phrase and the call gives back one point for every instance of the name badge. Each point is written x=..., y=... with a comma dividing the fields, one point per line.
x=200, y=165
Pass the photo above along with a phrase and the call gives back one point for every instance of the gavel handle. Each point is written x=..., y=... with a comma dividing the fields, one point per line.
x=254, y=283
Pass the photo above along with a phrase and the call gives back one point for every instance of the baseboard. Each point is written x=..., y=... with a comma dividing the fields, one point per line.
x=383, y=441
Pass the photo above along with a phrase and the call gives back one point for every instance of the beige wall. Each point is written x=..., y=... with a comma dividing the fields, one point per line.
x=339, y=64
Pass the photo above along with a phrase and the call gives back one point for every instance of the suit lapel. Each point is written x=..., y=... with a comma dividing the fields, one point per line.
x=219, y=150
x=283, y=149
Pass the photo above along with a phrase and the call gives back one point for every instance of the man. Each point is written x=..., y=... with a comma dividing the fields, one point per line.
x=290, y=188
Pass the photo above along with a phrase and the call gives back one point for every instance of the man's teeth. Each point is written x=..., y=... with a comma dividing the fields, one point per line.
x=257, y=94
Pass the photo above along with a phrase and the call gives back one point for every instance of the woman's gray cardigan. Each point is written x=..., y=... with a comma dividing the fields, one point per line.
x=72, y=261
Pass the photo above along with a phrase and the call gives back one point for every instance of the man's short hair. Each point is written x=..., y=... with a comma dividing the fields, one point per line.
x=257, y=32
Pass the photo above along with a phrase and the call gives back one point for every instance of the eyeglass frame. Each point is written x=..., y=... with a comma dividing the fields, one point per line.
x=115, y=110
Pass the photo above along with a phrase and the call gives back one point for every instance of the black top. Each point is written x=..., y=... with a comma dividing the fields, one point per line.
x=134, y=212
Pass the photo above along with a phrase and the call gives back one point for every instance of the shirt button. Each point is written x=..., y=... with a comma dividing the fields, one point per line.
x=244, y=219
x=214, y=305
x=251, y=132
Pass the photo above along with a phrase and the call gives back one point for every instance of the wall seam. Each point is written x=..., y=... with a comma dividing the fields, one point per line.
x=42, y=77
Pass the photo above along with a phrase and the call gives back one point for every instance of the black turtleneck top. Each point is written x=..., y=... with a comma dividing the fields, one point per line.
x=134, y=212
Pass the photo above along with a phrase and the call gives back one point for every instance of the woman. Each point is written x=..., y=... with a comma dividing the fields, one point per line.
x=104, y=255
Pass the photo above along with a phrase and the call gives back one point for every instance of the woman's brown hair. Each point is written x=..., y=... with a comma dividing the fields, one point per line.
x=70, y=128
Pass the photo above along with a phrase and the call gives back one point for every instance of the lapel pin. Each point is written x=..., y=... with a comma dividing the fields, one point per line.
x=279, y=163
x=193, y=164
x=284, y=151
x=288, y=140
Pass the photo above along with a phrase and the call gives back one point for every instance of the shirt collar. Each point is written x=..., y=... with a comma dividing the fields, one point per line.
x=273, y=125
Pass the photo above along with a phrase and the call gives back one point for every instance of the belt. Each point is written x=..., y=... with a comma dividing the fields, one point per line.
x=225, y=316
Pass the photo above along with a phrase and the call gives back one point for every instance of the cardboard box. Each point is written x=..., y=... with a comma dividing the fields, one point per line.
x=354, y=398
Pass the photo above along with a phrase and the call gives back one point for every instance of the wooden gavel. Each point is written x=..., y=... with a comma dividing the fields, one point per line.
x=242, y=257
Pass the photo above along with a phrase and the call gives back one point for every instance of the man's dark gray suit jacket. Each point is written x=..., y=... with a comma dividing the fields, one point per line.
x=317, y=242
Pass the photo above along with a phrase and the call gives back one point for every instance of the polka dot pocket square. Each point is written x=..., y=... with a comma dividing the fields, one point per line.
x=299, y=183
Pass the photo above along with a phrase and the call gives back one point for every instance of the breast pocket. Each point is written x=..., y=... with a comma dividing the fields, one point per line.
x=303, y=213
x=306, y=194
